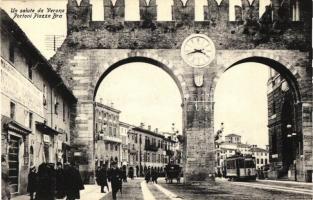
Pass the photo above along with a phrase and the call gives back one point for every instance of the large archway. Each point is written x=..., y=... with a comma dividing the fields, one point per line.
x=285, y=117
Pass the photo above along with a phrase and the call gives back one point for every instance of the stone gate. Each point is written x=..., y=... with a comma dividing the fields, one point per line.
x=278, y=39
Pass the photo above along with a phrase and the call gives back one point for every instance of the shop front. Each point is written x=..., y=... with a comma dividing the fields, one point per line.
x=15, y=153
x=48, y=146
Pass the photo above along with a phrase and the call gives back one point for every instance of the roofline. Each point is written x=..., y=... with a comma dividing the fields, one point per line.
x=8, y=23
x=107, y=107
x=148, y=132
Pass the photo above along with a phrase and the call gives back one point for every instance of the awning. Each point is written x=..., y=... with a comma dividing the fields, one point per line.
x=12, y=125
x=42, y=127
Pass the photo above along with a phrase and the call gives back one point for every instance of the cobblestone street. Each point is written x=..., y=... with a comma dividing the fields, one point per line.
x=136, y=189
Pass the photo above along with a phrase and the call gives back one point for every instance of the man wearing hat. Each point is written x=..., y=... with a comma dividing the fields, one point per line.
x=32, y=182
x=116, y=179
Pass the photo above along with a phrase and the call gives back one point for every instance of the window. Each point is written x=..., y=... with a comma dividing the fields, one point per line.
x=56, y=104
x=106, y=146
x=31, y=155
x=114, y=132
x=110, y=131
x=274, y=142
x=265, y=161
x=257, y=161
x=44, y=95
x=295, y=10
x=63, y=110
x=30, y=124
x=262, y=161
x=116, y=147
x=274, y=108
x=11, y=52
x=111, y=147
x=30, y=69
x=12, y=110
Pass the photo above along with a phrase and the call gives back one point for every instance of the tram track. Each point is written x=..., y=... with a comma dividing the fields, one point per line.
x=275, y=187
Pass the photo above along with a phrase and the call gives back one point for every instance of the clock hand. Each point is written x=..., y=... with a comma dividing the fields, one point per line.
x=196, y=51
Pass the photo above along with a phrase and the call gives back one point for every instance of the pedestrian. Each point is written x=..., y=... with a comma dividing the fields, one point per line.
x=131, y=172
x=154, y=176
x=73, y=182
x=32, y=182
x=148, y=175
x=46, y=182
x=60, y=187
x=124, y=173
x=102, y=178
x=116, y=179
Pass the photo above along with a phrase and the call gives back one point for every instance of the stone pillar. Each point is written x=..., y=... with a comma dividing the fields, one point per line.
x=84, y=141
x=199, y=142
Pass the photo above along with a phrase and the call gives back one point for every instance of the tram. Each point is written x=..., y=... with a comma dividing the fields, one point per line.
x=240, y=167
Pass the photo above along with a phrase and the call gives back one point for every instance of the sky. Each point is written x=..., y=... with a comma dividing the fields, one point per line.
x=150, y=95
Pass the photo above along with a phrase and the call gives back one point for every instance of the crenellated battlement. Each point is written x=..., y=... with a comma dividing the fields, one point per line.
x=189, y=11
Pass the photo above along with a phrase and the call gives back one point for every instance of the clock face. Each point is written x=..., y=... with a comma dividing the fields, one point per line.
x=198, y=50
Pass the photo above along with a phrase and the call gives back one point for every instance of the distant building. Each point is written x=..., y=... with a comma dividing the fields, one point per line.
x=261, y=156
x=36, y=108
x=107, y=134
x=233, y=138
x=154, y=150
x=124, y=135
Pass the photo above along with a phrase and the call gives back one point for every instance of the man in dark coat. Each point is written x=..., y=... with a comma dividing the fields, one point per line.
x=32, y=182
x=124, y=173
x=116, y=179
x=46, y=182
x=148, y=175
x=60, y=188
x=154, y=175
x=73, y=182
x=102, y=178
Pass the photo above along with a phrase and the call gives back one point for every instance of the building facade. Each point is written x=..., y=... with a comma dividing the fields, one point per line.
x=108, y=141
x=154, y=149
x=36, y=108
x=261, y=156
x=285, y=137
x=125, y=137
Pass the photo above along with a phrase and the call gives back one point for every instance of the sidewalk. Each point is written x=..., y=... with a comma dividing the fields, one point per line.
x=286, y=181
x=90, y=192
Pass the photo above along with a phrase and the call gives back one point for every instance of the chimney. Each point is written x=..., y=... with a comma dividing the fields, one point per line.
x=101, y=100
x=112, y=105
x=142, y=125
x=156, y=130
x=149, y=127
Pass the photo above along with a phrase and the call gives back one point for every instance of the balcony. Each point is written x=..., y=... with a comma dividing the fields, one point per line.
x=132, y=151
x=151, y=147
x=109, y=138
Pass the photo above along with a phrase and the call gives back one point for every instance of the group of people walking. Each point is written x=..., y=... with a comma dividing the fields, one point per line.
x=49, y=183
x=113, y=175
x=151, y=175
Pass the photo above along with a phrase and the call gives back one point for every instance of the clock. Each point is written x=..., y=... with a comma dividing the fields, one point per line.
x=198, y=50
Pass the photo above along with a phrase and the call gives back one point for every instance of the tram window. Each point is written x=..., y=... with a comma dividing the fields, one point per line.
x=231, y=164
x=241, y=163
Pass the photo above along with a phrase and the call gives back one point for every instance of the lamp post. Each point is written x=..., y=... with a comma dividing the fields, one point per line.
x=140, y=168
x=293, y=137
